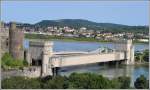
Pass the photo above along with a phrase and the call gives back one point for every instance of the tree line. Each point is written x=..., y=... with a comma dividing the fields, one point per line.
x=74, y=81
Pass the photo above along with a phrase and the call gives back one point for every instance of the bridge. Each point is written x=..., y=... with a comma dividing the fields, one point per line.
x=70, y=59
x=42, y=53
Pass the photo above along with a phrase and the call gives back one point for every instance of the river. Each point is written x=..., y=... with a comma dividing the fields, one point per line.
x=86, y=46
x=132, y=71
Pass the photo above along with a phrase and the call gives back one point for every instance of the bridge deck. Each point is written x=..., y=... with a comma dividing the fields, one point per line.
x=70, y=60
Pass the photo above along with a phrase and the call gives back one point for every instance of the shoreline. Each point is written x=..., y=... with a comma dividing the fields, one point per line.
x=72, y=39
x=141, y=63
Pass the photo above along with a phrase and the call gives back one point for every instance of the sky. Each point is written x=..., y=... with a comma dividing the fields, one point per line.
x=119, y=12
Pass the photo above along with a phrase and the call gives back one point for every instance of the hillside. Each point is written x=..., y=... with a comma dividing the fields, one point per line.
x=78, y=23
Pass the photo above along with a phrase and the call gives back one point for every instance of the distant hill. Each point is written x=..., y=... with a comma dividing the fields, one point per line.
x=78, y=23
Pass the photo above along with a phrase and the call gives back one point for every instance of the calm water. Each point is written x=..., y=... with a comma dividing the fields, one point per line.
x=107, y=71
x=85, y=46
x=88, y=46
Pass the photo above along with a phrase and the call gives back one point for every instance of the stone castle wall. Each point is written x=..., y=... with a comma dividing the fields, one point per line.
x=4, y=41
x=32, y=72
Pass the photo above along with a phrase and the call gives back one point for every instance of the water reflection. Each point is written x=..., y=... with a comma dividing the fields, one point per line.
x=109, y=71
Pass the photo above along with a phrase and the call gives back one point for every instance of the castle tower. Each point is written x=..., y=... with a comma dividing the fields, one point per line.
x=16, y=38
x=40, y=53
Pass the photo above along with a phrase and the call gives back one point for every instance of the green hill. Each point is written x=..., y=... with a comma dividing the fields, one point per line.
x=106, y=27
x=78, y=23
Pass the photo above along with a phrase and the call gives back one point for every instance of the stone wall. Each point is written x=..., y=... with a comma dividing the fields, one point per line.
x=4, y=41
x=32, y=72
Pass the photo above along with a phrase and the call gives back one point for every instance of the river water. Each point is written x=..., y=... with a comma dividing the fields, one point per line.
x=112, y=71
x=86, y=46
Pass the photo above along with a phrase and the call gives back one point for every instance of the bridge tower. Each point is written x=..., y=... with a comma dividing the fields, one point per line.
x=39, y=55
x=130, y=52
x=47, y=53
x=127, y=47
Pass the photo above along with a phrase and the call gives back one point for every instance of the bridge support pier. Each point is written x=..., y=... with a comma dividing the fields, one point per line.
x=55, y=71
x=129, y=53
x=105, y=64
x=117, y=64
x=127, y=47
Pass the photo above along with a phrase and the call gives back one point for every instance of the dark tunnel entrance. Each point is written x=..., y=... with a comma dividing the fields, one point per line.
x=36, y=62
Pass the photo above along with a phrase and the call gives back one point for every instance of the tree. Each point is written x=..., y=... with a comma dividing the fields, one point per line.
x=57, y=82
x=79, y=81
x=125, y=82
x=142, y=57
x=145, y=55
x=6, y=60
x=115, y=84
x=138, y=56
x=100, y=82
x=141, y=83
x=74, y=81
x=88, y=81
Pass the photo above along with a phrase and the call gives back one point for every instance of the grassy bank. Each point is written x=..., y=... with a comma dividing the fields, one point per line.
x=83, y=39
x=49, y=37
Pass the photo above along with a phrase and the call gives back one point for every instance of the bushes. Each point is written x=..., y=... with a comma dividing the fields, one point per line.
x=142, y=57
x=124, y=82
x=58, y=82
x=141, y=83
x=74, y=81
x=114, y=83
x=9, y=62
x=146, y=55
x=20, y=83
x=79, y=80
